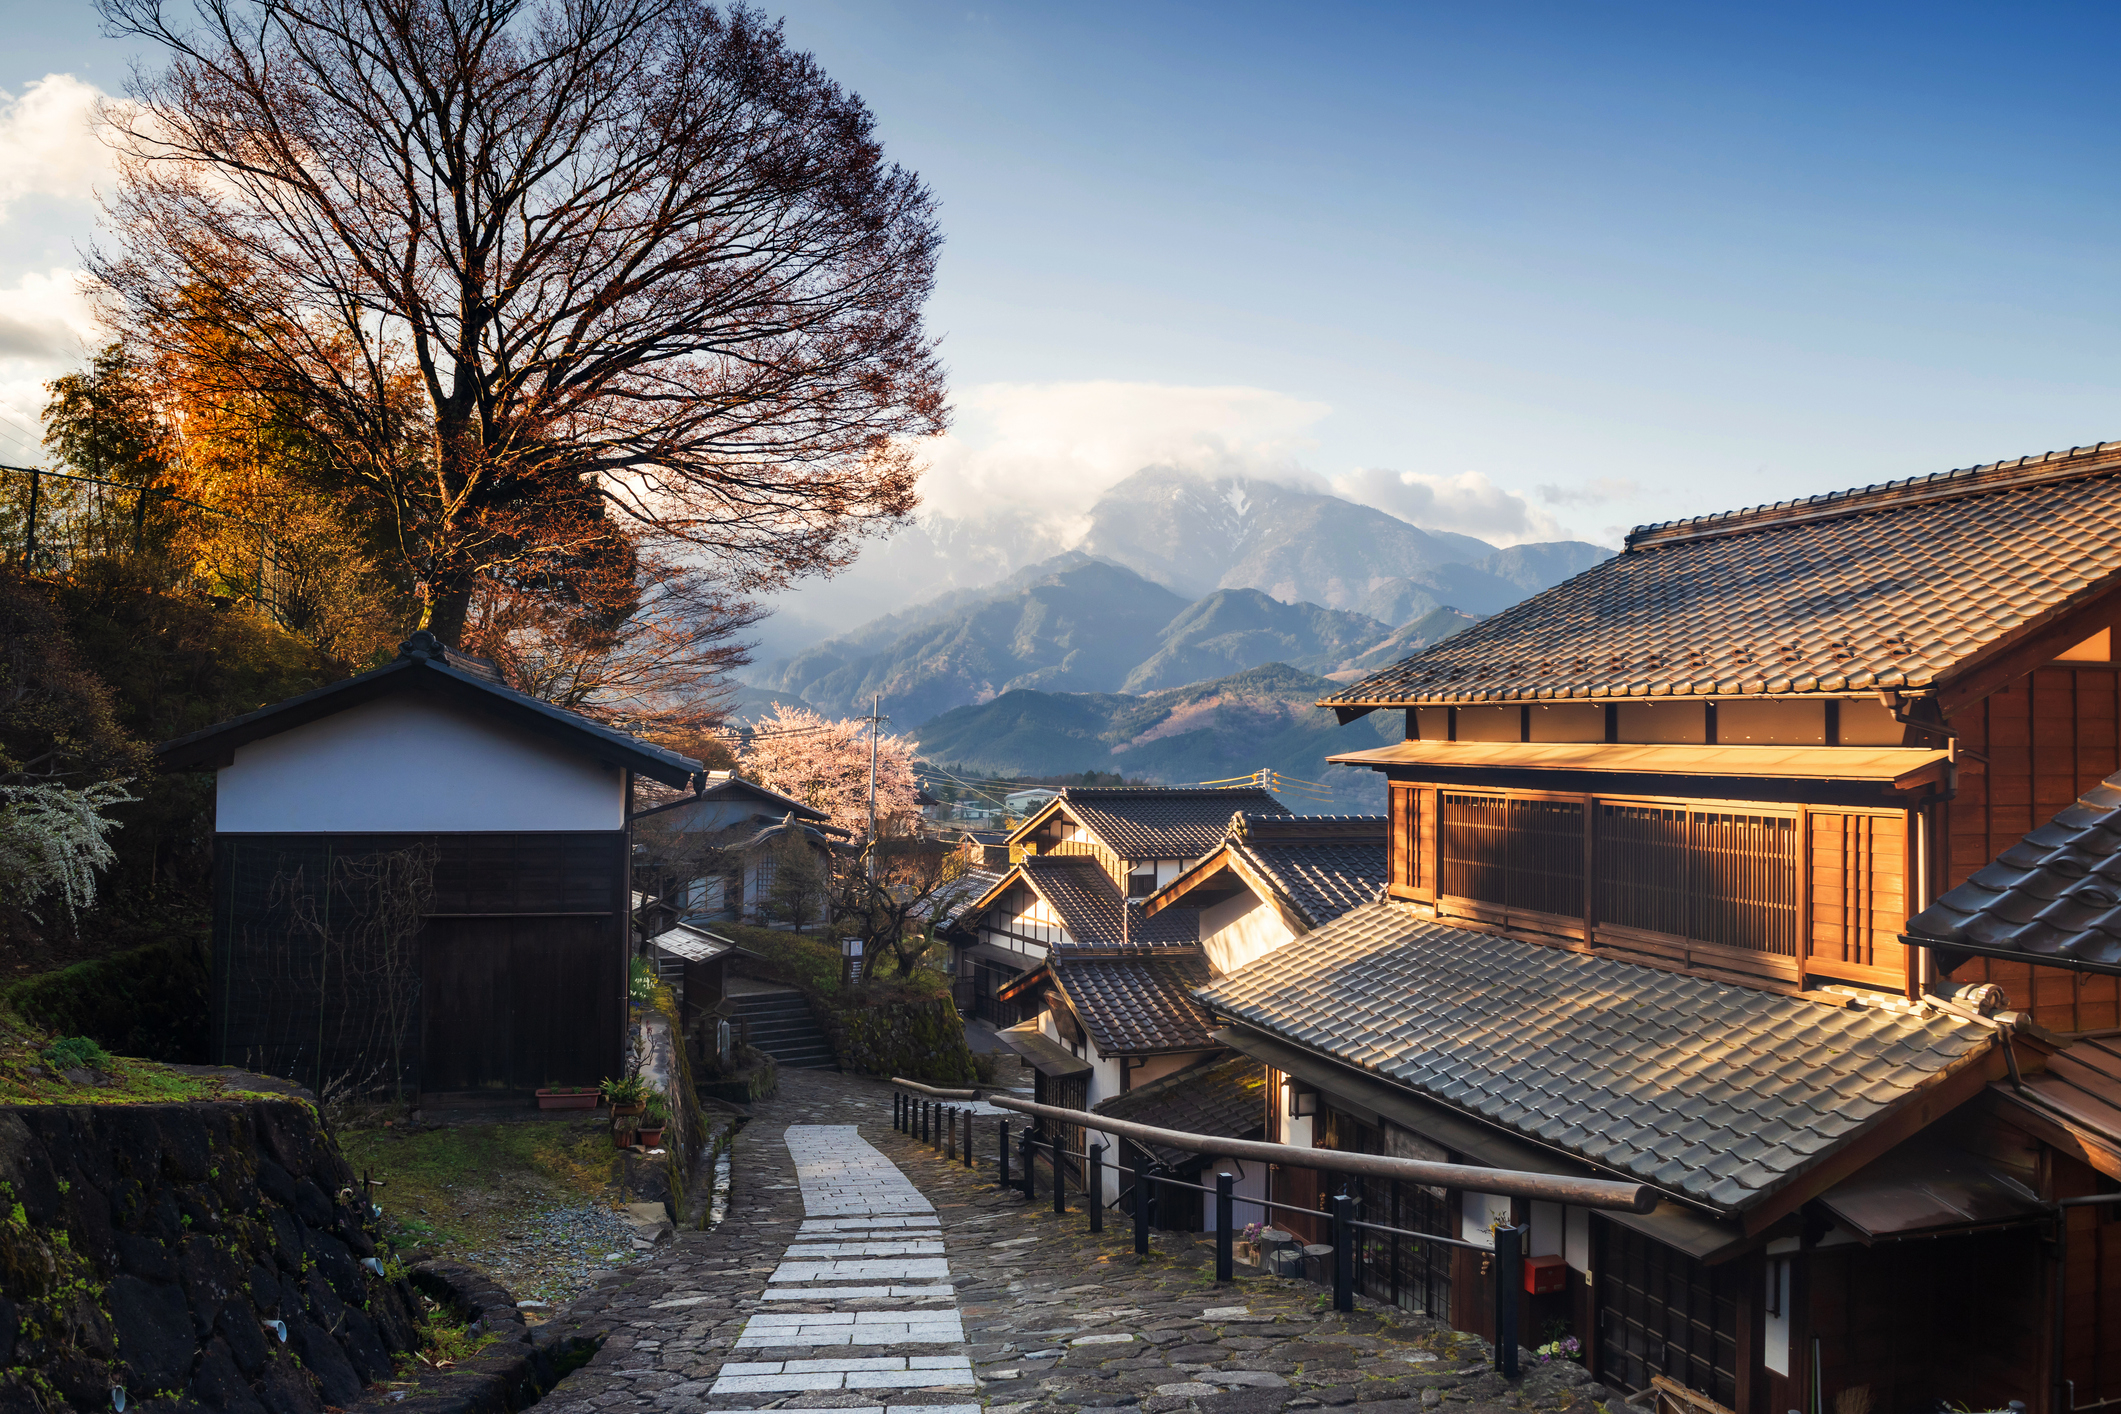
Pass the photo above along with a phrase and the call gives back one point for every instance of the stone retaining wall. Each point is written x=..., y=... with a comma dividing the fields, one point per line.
x=215, y=1250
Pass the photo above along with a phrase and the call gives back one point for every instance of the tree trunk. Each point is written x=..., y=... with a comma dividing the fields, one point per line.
x=446, y=614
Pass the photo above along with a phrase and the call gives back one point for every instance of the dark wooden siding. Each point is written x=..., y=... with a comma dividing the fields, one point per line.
x=2049, y=737
x=301, y=990
x=1661, y=1312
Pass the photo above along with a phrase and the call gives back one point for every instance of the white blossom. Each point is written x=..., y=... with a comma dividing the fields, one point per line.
x=52, y=838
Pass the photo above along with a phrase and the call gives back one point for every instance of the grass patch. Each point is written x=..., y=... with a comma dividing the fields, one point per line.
x=814, y=962
x=31, y=1059
x=469, y=1187
x=445, y=1340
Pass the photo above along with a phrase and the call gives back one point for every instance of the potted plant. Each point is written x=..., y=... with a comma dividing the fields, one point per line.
x=626, y=1096
x=567, y=1097
x=653, y=1121
x=622, y=1132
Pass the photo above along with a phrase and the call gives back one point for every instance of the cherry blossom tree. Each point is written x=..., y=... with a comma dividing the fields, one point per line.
x=825, y=764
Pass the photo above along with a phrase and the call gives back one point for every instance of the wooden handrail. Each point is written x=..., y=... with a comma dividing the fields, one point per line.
x=1547, y=1187
x=937, y=1094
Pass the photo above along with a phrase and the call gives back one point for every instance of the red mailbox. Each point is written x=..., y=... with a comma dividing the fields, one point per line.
x=1544, y=1275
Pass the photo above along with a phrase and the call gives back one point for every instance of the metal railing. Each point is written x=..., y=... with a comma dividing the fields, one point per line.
x=51, y=522
x=917, y=1111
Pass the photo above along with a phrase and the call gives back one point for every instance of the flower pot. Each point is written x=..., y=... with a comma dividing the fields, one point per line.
x=619, y=1111
x=622, y=1139
x=567, y=1099
x=650, y=1137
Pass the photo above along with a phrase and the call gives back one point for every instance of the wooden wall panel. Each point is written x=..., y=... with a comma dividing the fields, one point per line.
x=2049, y=737
x=1859, y=896
x=1402, y=866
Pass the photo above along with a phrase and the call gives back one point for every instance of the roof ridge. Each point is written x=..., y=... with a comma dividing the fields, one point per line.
x=2101, y=458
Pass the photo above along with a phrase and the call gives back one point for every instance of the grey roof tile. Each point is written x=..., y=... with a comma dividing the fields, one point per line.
x=1160, y=822
x=1137, y=1005
x=1225, y=1096
x=1089, y=905
x=2055, y=893
x=1721, y=1091
x=1885, y=587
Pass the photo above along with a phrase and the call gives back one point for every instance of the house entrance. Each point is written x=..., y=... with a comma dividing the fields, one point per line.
x=516, y=1003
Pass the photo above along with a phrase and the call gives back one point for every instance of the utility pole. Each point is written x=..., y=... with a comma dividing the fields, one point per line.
x=874, y=720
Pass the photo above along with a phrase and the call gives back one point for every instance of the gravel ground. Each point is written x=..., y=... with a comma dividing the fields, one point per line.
x=556, y=1254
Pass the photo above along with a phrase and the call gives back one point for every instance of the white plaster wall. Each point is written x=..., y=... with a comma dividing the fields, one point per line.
x=407, y=764
x=1241, y=929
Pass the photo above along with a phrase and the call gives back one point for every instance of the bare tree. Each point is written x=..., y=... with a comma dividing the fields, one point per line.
x=895, y=903
x=637, y=245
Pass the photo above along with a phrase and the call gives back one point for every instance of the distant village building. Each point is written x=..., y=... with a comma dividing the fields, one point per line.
x=728, y=834
x=421, y=881
x=1024, y=802
x=1709, y=869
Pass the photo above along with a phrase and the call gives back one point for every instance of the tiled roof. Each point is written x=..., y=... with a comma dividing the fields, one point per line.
x=1162, y=822
x=1224, y=1097
x=1880, y=589
x=1717, y=1092
x=1135, y=1005
x=425, y=663
x=2054, y=895
x=1089, y=905
x=974, y=886
x=1319, y=881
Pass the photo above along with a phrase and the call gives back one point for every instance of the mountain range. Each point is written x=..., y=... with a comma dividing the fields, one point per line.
x=1188, y=532
x=1077, y=624
x=1260, y=719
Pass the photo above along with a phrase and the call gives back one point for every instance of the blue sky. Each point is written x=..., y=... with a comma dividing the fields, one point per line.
x=1515, y=269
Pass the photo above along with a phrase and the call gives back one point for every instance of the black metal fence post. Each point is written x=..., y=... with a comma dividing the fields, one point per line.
x=1001, y=1152
x=927, y=1110
x=1141, y=1207
x=1060, y=1173
x=29, y=542
x=1223, y=1182
x=969, y=1131
x=1509, y=1275
x=1097, y=1188
x=1025, y=1152
x=1343, y=1253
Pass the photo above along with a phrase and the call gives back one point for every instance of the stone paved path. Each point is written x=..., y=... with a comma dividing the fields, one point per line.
x=1022, y=1311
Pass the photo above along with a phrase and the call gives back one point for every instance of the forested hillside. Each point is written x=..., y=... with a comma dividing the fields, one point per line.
x=1262, y=719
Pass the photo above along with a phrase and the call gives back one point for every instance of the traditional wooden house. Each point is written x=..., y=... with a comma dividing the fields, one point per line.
x=1141, y=838
x=1275, y=878
x=714, y=851
x=421, y=881
x=1100, y=991
x=1656, y=837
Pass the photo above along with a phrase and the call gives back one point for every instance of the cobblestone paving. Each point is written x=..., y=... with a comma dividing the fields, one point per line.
x=1054, y=1319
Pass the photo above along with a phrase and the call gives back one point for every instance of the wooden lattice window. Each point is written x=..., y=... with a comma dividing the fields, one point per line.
x=1715, y=876
x=1522, y=853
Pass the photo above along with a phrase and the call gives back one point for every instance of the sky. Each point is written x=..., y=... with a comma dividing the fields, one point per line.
x=1524, y=271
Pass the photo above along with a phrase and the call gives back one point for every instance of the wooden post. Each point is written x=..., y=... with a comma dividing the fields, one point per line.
x=1343, y=1248
x=1097, y=1188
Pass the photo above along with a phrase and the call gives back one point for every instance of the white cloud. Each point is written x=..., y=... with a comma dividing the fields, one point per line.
x=1598, y=492
x=1468, y=503
x=48, y=143
x=1049, y=450
x=47, y=326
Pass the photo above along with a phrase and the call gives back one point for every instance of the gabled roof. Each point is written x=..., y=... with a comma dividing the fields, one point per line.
x=1091, y=909
x=2053, y=897
x=1225, y=1097
x=425, y=664
x=723, y=785
x=1153, y=822
x=1720, y=1094
x=1137, y=1005
x=1315, y=867
x=1892, y=587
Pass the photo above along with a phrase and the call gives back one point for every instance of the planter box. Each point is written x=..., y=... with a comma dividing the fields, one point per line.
x=562, y=1100
x=622, y=1111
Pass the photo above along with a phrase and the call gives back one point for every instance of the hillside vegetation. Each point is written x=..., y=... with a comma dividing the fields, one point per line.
x=1261, y=719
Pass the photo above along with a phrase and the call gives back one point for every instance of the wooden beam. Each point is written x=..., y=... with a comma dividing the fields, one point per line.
x=1937, y=1097
x=2013, y=657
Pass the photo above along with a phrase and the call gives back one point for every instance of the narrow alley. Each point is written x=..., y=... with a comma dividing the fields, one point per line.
x=858, y=1269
